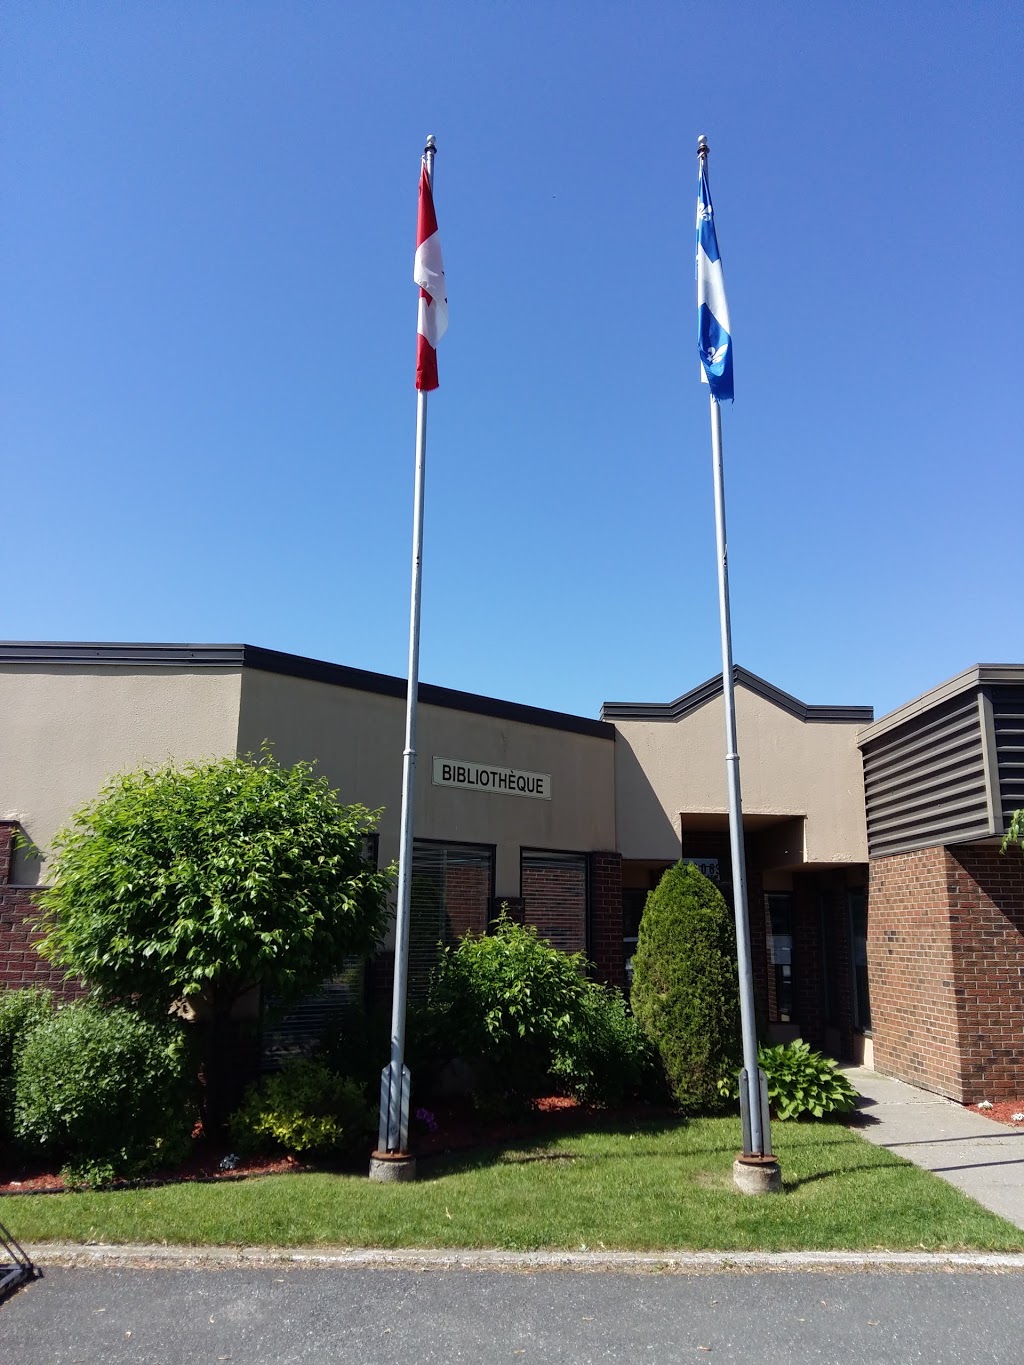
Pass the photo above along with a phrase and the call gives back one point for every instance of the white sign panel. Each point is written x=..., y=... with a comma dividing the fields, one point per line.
x=460, y=772
x=709, y=866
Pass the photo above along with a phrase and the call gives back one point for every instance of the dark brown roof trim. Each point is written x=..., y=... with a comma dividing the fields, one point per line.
x=294, y=666
x=698, y=696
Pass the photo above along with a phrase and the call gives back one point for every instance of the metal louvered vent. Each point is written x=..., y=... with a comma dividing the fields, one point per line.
x=1008, y=724
x=925, y=782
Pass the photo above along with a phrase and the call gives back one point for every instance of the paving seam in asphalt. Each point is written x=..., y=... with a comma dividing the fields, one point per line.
x=45, y=1254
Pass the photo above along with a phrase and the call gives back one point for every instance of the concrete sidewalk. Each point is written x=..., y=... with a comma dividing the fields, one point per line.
x=982, y=1158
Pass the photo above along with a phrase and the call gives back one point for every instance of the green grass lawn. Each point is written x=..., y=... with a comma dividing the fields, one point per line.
x=656, y=1185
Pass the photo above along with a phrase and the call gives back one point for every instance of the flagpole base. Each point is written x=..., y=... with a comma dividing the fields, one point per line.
x=392, y=1166
x=757, y=1175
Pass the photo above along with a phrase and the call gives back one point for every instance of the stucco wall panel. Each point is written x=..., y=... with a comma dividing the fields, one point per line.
x=65, y=731
x=358, y=737
x=788, y=767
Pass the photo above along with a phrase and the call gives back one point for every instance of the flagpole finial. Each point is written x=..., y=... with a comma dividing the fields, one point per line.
x=702, y=145
x=431, y=144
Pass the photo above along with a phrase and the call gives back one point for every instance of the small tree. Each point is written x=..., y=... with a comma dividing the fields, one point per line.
x=193, y=885
x=685, y=994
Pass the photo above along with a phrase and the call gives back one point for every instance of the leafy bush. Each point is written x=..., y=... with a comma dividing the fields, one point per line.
x=608, y=1059
x=526, y=1018
x=801, y=1083
x=20, y=1012
x=305, y=1107
x=107, y=1090
x=685, y=992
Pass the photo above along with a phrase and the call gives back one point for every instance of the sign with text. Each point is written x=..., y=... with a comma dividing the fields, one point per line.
x=460, y=772
x=709, y=866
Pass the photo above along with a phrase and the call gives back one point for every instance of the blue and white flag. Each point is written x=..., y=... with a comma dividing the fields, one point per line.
x=714, y=337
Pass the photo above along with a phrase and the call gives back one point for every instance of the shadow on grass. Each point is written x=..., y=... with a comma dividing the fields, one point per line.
x=531, y=1147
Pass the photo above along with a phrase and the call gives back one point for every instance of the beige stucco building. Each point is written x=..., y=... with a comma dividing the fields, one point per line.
x=567, y=820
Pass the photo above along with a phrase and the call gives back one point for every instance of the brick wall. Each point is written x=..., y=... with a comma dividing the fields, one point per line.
x=606, y=950
x=20, y=964
x=946, y=970
x=986, y=901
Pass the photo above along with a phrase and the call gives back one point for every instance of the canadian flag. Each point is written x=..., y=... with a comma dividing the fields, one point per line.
x=428, y=272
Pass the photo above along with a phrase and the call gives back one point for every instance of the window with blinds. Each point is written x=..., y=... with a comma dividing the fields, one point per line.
x=321, y=1012
x=451, y=891
x=554, y=887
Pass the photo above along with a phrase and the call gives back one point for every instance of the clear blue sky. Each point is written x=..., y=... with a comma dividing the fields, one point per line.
x=208, y=332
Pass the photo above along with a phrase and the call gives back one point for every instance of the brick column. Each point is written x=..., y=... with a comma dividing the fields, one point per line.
x=946, y=970
x=606, y=951
x=20, y=963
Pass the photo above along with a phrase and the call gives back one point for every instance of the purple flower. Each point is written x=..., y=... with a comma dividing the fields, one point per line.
x=427, y=1118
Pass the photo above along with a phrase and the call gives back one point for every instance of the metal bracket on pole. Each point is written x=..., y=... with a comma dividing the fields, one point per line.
x=393, y=1134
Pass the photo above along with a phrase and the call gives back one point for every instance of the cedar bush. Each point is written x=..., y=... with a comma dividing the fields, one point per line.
x=685, y=994
x=20, y=1012
x=105, y=1090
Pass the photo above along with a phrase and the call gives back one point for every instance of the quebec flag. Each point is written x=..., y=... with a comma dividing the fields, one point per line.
x=714, y=336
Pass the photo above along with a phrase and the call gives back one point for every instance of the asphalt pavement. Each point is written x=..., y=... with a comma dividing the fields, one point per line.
x=309, y=1316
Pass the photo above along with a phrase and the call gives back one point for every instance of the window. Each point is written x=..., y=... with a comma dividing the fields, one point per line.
x=857, y=901
x=451, y=890
x=779, y=907
x=554, y=887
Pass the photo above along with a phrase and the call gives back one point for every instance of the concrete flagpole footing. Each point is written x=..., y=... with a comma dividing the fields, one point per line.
x=757, y=1175
x=392, y=1166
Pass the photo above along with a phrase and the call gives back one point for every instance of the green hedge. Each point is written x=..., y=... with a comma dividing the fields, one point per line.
x=20, y=1012
x=106, y=1091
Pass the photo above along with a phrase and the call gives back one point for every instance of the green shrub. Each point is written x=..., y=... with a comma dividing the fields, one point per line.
x=607, y=1058
x=801, y=1083
x=685, y=993
x=20, y=1012
x=306, y=1108
x=505, y=1003
x=106, y=1090
x=528, y=1021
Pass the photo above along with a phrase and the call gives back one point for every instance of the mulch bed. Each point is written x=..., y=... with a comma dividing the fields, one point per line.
x=450, y=1128
x=1002, y=1111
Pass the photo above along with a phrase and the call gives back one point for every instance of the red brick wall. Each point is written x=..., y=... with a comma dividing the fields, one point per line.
x=20, y=964
x=606, y=950
x=986, y=901
x=946, y=970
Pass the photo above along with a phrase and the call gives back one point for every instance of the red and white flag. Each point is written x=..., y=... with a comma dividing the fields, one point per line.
x=428, y=272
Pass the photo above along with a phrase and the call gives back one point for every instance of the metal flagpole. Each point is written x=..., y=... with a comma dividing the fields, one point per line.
x=753, y=1091
x=393, y=1136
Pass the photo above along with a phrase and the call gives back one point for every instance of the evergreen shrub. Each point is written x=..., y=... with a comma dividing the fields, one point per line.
x=20, y=1012
x=108, y=1091
x=685, y=994
x=305, y=1107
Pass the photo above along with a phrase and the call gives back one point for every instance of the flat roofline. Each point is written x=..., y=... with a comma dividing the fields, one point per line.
x=978, y=675
x=141, y=655
x=742, y=677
